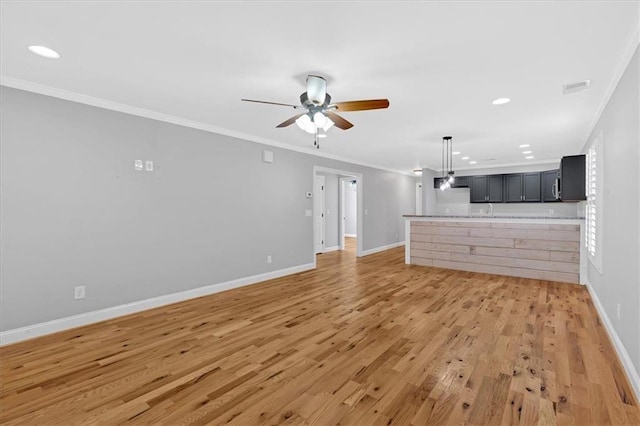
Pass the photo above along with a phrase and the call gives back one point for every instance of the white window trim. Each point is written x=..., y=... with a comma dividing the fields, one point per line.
x=595, y=201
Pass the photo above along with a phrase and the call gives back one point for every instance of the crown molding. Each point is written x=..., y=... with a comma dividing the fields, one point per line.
x=42, y=89
x=633, y=41
x=495, y=166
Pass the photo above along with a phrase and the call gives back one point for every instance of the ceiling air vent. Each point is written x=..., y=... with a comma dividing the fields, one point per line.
x=575, y=87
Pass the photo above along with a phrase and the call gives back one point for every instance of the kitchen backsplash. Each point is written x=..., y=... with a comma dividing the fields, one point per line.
x=455, y=201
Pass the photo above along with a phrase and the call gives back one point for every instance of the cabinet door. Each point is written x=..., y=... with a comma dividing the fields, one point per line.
x=531, y=187
x=548, y=183
x=513, y=188
x=494, y=188
x=478, y=189
x=572, y=178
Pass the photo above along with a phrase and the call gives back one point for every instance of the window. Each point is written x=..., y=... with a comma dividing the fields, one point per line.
x=593, y=237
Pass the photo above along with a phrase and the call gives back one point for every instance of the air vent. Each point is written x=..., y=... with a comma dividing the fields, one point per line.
x=575, y=87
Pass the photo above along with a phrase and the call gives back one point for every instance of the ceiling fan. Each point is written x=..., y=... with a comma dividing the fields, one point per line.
x=319, y=113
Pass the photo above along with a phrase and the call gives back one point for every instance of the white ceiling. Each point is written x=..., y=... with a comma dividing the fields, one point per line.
x=440, y=64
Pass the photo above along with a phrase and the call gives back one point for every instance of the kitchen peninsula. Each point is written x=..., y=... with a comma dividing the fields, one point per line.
x=545, y=248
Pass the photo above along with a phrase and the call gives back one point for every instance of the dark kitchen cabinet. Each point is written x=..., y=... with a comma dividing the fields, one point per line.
x=486, y=189
x=513, y=188
x=572, y=178
x=531, y=187
x=522, y=187
x=459, y=182
x=550, y=186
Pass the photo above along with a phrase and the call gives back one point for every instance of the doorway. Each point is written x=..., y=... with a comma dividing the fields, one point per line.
x=320, y=210
x=348, y=213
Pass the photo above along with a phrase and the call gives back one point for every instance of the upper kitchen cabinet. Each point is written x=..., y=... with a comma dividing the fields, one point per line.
x=572, y=178
x=486, y=189
x=522, y=187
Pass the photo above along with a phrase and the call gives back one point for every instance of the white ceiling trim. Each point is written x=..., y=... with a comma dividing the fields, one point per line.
x=42, y=89
x=633, y=41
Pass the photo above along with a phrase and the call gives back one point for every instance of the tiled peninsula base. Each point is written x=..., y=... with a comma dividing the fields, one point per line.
x=543, y=249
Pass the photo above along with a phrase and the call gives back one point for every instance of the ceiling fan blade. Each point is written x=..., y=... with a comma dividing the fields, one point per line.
x=361, y=105
x=339, y=122
x=290, y=121
x=271, y=103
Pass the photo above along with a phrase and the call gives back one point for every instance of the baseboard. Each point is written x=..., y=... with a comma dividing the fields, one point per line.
x=351, y=235
x=382, y=248
x=53, y=326
x=330, y=249
x=623, y=355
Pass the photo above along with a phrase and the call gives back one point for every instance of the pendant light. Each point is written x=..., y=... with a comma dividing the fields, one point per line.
x=447, y=163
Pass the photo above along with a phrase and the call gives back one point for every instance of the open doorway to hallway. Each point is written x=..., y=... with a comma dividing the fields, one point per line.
x=337, y=211
x=348, y=213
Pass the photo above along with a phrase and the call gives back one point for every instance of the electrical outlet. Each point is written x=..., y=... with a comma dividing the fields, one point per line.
x=396, y=235
x=618, y=311
x=148, y=165
x=366, y=212
x=78, y=292
x=269, y=259
x=551, y=211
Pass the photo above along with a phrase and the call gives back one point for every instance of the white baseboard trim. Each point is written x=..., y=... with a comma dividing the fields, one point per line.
x=330, y=249
x=623, y=355
x=382, y=248
x=53, y=326
x=351, y=235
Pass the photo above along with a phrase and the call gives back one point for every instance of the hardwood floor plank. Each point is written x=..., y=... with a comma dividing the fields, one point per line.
x=357, y=341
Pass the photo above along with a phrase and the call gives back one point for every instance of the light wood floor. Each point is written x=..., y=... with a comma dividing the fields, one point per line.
x=357, y=341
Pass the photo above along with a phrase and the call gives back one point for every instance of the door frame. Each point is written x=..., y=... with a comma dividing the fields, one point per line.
x=359, y=208
x=322, y=202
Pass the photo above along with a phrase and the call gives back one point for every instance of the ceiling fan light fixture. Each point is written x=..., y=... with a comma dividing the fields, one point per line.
x=305, y=123
x=328, y=124
x=319, y=119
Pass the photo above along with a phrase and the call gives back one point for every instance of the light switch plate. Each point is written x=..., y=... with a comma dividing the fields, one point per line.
x=138, y=166
x=267, y=156
x=308, y=213
x=148, y=165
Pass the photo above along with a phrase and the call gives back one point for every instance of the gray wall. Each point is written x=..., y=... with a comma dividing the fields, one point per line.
x=619, y=281
x=350, y=209
x=455, y=201
x=74, y=212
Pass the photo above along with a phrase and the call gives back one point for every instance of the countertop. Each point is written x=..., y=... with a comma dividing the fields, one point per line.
x=409, y=216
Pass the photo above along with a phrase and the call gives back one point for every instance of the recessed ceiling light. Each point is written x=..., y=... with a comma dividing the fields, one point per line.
x=456, y=153
x=322, y=135
x=526, y=145
x=529, y=157
x=473, y=162
x=501, y=101
x=464, y=158
x=44, y=51
x=527, y=152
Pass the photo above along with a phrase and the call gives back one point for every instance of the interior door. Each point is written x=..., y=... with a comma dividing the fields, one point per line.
x=318, y=214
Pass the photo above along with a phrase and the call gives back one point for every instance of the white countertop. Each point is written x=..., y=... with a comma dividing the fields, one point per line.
x=501, y=218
